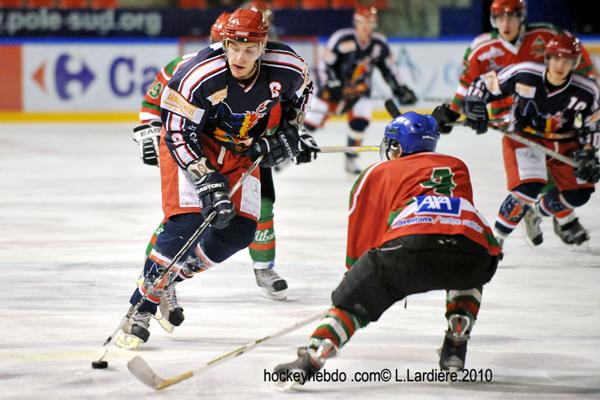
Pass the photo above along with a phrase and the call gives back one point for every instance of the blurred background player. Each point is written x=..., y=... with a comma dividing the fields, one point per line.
x=412, y=228
x=344, y=78
x=147, y=135
x=215, y=112
x=553, y=107
x=511, y=41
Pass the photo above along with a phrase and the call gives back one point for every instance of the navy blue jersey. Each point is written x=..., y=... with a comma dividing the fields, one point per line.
x=203, y=98
x=345, y=60
x=539, y=108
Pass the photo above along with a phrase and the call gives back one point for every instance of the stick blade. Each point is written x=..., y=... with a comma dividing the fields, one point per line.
x=142, y=371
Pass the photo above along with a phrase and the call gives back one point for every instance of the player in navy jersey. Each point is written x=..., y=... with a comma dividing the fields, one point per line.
x=344, y=78
x=555, y=108
x=215, y=112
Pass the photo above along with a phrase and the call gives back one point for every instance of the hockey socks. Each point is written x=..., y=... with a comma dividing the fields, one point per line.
x=338, y=326
x=262, y=249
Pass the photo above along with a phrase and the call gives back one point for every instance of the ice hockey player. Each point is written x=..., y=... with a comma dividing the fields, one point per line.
x=552, y=107
x=147, y=135
x=215, y=111
x=511, y=41
x=344, y=78
x=412, y=228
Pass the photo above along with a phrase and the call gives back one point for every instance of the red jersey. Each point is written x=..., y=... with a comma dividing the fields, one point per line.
x=490, y=52
x=423, y=193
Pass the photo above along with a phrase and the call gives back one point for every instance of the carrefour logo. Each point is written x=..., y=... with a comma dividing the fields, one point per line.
x=67, y=74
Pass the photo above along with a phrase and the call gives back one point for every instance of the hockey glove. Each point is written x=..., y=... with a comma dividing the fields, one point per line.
x=405, y=95
x=334, y=90
x=444, y=117
x=212, y=191
x=147, y=136
x=275, y=149
x=476, y=113
x=589, y=165
x=309, y=149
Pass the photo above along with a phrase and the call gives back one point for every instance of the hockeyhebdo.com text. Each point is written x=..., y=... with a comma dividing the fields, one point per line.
x=18, y=22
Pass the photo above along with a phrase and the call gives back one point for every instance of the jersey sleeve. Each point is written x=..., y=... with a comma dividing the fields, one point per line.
x=150, y=110
x=470, y=72
x=497, y=85
x=185, y=106
x=387, y=66
x=366, y=215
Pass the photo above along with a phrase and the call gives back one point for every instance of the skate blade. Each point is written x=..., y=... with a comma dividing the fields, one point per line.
x=164, y=322
x=127, y=341
x=279, y=296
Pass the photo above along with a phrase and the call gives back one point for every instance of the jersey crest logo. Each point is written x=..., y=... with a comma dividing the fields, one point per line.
x=218, y=96
x=525, y=91
x=537, y=47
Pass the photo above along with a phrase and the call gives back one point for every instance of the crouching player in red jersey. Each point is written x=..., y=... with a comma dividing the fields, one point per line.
x=412, y=228
x=215, y=112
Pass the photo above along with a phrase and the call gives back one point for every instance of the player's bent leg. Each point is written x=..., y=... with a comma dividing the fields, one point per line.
x=355, y=137
x=512, y=210
x=559, y=205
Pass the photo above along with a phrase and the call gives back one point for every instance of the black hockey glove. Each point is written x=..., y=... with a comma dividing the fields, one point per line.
x=212, y=191
x=405, y=95
x=309, y=149
x=335, y=92
x=444, y=116
x=476, y=113
x=589, y=165
x=147, y=136
x=275, y=149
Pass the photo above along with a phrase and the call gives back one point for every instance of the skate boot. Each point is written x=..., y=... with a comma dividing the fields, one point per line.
x=572, y=232
x=308, y=363
x=454, y=349
x=135, y=331
x=170, y=313
x=531, y=228
x=352, y=166
x=271, y=284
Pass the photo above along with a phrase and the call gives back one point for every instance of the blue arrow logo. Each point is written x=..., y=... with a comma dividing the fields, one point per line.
x=64, y=77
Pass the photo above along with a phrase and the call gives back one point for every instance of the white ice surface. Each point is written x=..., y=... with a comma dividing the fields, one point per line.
x=77, y=208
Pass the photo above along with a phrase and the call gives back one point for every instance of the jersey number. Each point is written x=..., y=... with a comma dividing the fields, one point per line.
x=442, y=181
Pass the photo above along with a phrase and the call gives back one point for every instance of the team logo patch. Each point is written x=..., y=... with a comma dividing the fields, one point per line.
x=525, y=91
x=347, y=46
x=491, y=82
x=441, y=205
x=175, y=102
x=275, y=89
x=218, y=96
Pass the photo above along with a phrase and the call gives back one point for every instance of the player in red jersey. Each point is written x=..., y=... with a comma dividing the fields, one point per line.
x=557, y=109
x=345, y=74
x=412, y=228
x=215, y=112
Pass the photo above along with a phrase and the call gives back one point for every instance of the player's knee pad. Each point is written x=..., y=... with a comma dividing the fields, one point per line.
x=578, y=197
x=362, y=291
x=220, y=244
x=358, y=124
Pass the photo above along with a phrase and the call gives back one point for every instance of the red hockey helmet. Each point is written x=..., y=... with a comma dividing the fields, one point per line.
x=564, y=44
x=246, y=26
x=217, y=29
x=264, y=6
x=508, y=7
x=365, y=14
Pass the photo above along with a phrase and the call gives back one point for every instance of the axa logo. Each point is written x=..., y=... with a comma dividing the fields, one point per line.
x=67, y=75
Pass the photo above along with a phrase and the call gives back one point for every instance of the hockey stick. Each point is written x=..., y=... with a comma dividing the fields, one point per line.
x=164, y=278
x=392, y=108
x=142, y=371
x=348, y=149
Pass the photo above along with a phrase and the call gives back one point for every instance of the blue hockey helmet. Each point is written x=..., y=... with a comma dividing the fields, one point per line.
x=409, y=133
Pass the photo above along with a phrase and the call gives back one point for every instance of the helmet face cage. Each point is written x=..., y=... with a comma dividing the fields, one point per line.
x=507, y=7
x=564, y=45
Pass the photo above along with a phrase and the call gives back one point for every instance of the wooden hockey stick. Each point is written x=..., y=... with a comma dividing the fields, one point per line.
x=348, y=149
x=164, y=278
x=142, y=371
x=540, y=148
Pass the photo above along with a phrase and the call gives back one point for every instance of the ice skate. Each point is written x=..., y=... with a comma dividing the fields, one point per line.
x=271, y=284
x=572, y=232
x=454, y=349
x=351, y=165
x=135, y=331
x=531, y=226
x=169, y=313
x=308, y=363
